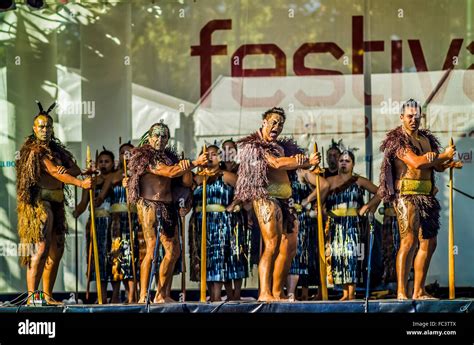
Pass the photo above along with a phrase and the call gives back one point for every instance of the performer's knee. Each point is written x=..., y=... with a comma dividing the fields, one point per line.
x=408, y=242
x=149, y=235
x=272, y=245
x=428, y=245
x=41, y=251
x=150, y=248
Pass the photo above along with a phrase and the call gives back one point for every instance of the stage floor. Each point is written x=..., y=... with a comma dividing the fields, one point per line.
x=356, y=306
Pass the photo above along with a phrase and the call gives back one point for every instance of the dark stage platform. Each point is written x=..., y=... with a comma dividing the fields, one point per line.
x=357, y=306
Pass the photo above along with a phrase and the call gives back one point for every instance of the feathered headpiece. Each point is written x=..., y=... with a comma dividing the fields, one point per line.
x=41, y=110
x=336, y=145
x=347, y=149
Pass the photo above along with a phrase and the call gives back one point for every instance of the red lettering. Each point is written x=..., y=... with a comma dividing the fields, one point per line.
x=300, y=69
x=205, y=50
x=239, y=71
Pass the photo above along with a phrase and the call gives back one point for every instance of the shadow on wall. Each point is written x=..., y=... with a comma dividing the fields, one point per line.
x=10, y=272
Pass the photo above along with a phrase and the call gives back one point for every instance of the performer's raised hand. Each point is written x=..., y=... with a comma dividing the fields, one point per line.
x=449, y=151
x=301, y=159
x=87, y=183
x=125, y=182
x=315, y=158
x=201, y=160
x=184, y=164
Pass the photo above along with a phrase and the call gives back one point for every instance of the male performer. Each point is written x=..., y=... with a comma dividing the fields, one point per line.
x=43, y=168
x=411, y=155
x=332, y=157
x=263, y=180
x=153, y=169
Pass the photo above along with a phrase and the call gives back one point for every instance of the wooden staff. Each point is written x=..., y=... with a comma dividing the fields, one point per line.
x=183, y=252
x=451, y=233
x=203, y=235
x=89, y=261
x=322, y=257
x=183, y=259
x=76, y=246
x=132, y=235
x=94, y=234
x=89, y=269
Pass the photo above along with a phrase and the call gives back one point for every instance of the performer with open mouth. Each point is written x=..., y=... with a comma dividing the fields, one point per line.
x=263, y=180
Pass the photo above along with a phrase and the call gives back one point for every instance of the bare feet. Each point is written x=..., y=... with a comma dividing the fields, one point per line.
x=282, y=298
x=160, y=300
x=344, y=298
x=266, y=298
x=51, y=301
x=401, y=296
x=423, y=296
x=142, y=300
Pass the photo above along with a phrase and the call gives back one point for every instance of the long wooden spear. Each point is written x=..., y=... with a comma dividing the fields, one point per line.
x=183, y=252
x=451, y=233
x=89, y=268
x=203, y=235
x=132, y=235
x=94, y=234
x=76, y=245
x=321, y=246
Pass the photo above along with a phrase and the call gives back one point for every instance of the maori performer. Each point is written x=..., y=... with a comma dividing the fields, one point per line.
x=344, y=197
x=332, y=157
x=226, y=238
x=43, y=168
x=103, y=199
x=122, y=265
x=155, y=173
x=242, y=238
x=305, y=266
x=411, y=155
x=263, y=180
x=229, y=156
